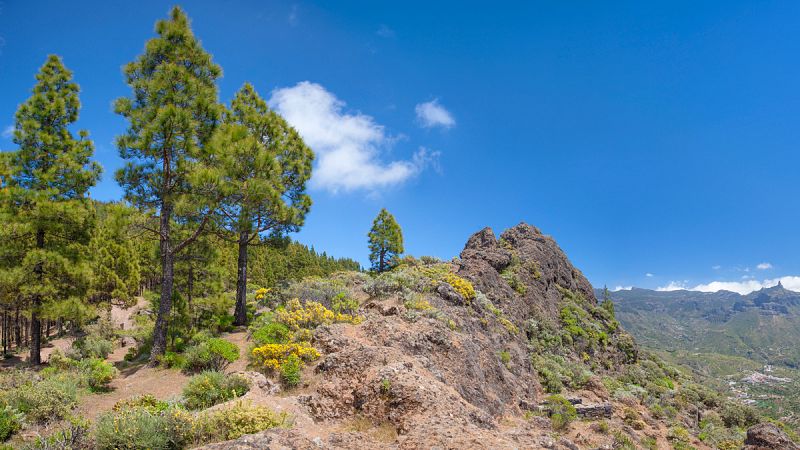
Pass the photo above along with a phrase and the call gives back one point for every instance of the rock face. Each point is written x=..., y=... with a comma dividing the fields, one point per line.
x=537, y=262
x=766, y=436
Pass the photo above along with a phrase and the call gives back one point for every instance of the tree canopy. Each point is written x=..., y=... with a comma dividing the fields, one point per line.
x=385, y=241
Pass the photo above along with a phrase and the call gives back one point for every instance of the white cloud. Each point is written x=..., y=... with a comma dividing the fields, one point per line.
x=649, y=275
x=622, y=288
x=673, y=286
x=385, y=32
x=743, y=287
x=764, y=266
x=292, y=17
x=347, y=145
x=432, y=114
x=717, y=267
x=8, y=131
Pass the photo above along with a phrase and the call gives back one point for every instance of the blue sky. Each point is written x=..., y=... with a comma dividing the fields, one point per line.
x=654, y=138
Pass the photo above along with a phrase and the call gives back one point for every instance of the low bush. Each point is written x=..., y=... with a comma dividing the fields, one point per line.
x=273, y=356
x=10, y=422
x=91, y=346
x=310, y=315
x=212, y=354
x=562, y=412
x=737, y=415
x=48, y=400
x=146, y=401
x=97, y=373
x=271, y=333
x=137, y=428
x=290, y=371
x=210, y=388
x=236, y=421
x=72, y=435
x=172, y=360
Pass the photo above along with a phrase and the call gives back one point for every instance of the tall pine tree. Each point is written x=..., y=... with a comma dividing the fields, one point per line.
x=385, y=241
x=48, y=217
x=172, y=114
x=264, y=166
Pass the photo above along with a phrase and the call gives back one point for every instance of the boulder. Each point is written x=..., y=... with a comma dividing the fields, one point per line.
x=766, y=436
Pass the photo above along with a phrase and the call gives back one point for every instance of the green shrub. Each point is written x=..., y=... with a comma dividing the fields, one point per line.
x=505, y=358
x=562, y=412
x=236, y=421
x=342, y=303
x=48, y=400
x=10, y=422
x=91, y=346
x=271, y=333
x=290, y=371
x=146, y=401
x=172, y=360
x=737, y=415
x=72, y=435
x=97, y=373
x=210, y=388
x=139, y=428
x=213, y=354
x=679, y=436
x=623, y=441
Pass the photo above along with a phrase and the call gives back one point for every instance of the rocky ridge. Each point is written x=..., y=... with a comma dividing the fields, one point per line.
x=460, y=374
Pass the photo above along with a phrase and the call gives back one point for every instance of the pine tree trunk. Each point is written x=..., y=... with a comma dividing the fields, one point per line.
x=17, y=330
x=36, y=322
x=5, y=333
x=167, y=279
x=240, y=314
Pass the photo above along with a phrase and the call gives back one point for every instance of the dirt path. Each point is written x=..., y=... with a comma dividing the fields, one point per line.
x=164, y=384
x=238, y=337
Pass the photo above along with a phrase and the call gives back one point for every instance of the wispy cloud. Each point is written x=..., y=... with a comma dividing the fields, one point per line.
x=764, y=266
x=673, y=286
x=385, y=32
x=432, y=114
x=348, y=145
x=8, y=132
x=717, y=267
x=292, y=17
x=649, y=275
x=745, y=286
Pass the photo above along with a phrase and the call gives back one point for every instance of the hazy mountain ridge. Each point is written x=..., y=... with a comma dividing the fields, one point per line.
x=763, y=326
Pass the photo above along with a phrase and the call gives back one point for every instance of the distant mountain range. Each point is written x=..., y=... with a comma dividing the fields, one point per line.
x=748, y=345
x=763, y=326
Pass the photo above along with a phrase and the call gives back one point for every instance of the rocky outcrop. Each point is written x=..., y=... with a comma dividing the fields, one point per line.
x=533, y=259
x=766, y=436
x=456, y=372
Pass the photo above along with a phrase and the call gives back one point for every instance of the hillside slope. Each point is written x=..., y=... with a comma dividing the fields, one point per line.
x=467, y=355
x=746, y=345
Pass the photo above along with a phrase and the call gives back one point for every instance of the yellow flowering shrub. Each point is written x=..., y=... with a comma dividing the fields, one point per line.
x=418, y=303
x=262, y=293
x=297, y=316
x=441, y=273
x=462, y=286
x=274, y=356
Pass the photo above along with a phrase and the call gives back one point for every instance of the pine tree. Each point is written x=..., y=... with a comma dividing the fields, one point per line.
x=172, y=114
x=116, y=275
x=48, y=217
x=385, y=241
x=264, y=166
